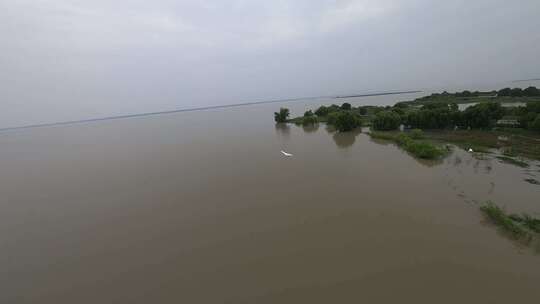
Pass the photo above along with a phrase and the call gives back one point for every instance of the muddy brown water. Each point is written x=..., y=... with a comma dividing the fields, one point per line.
x=201, y=207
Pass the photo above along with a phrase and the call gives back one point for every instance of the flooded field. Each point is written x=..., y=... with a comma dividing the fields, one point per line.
x=201, y=207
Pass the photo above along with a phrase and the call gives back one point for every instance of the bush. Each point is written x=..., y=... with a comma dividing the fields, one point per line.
x=386, y=120
x=308, y=113
x=417, y=134
x=282, y=115
x=423, y=150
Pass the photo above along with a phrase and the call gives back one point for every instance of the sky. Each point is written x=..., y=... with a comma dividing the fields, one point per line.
x=73, y=59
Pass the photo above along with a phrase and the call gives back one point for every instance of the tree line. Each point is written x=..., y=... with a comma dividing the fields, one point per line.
x=436, y=114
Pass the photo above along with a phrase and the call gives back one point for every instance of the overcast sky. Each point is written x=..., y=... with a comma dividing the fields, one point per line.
x=73, y=59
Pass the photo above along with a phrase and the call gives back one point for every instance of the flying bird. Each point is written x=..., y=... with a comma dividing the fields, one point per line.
x=286, y=154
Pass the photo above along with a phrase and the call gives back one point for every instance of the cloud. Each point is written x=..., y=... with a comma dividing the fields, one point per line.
x=93, y=58
x=352, y=12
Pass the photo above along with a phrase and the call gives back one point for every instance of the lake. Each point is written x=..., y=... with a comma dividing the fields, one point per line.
x=201, y=207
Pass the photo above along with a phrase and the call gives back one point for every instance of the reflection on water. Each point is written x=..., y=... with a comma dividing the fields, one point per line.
x=330, y=129
x=283, y=130
x=311, y=128
x=346, y=139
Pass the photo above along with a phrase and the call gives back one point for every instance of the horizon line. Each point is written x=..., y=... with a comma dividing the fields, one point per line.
x=126, y=116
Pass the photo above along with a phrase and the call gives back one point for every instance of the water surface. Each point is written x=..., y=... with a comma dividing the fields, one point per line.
x=201, y=207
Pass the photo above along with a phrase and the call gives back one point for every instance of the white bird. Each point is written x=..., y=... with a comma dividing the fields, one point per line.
x=470, y=150
x=285, y=153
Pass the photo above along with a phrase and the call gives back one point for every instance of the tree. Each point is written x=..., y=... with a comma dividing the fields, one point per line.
x=516, y=92
x=526, y=120
x=533, y=106
x=322, y=111
x=333, y=108
x=386, y=120
x=362, y=110
x=332, y=118
x=282, y=115
x=535, y=125
x=309, y=118
x=482, y=115
x=504, y=92
x=347, y=121
x=346, y=106
x=531, y=91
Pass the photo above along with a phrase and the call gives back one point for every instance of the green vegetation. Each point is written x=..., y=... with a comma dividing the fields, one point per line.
x=420, y=149
x=482, y=126
x=322, y=111
x=535, y=124
x=282, y=115
x=517, y=92
x=508, y=224
x=346, y=106
x=526, y=220
x=439, y=111
x=308, y=119
x=386, y=120
x=344, y=121
x=417, y=134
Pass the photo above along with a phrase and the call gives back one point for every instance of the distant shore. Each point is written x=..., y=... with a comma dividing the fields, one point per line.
x=378, y=94
x=89, y=120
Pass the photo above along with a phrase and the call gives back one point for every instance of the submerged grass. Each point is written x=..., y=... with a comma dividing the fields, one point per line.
x=519, y=227
x=528, y=221
x=532, y=181
x=517, y=141
x=420, y=149
x=513, y=161
x=498, y=217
